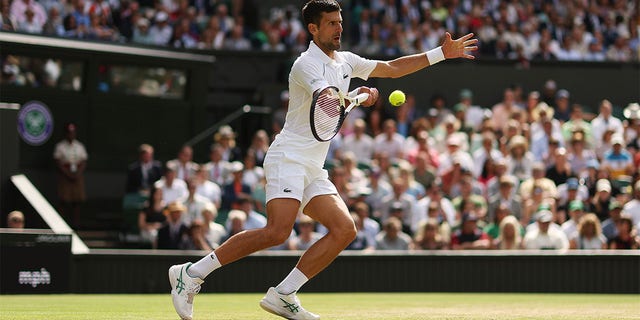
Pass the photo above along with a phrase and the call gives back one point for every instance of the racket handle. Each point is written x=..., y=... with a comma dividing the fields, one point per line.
x=359, y=99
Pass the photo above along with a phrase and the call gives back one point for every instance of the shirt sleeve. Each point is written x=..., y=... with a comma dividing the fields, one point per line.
x=362, y=67
x=309, y=76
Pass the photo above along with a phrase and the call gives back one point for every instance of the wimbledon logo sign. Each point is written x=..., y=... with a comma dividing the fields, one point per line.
x=35, y=123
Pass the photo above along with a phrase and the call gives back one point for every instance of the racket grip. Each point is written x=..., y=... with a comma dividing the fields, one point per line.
x=359, y=99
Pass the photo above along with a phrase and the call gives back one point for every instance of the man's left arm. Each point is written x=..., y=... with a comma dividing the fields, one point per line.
x=450, y=49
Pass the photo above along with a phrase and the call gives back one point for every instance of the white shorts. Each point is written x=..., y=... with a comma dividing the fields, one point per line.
x=290, y=175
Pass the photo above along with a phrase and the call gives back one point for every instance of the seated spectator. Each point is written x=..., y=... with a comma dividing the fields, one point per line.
x=235, y=221
x=632, y=208
x=609, y=226
x=601, y=199
x=226, y=138
x=589, y=234
x=174, y=234
x=172, y=188
x=253, y=220
x=234, y=189
x=493, y=229
x=510, y=234
x=252, y=173
x=218, y=168
x=544, y=237
x=15, y=220
x=361, y=242
x=391, y=237
x=197, y=239
x=207, y=189
x=370, y=227
x=627, y=237
x=570, y=227
x=141, y=34
x=161, y=30
x=306, y=234
x=429, y=236
x=194, y=202
x=469, y=236
x=185, y=167
x=618, y=161
x=506, y=195
x=152, y=217
x=213, y=231
x=143, y=173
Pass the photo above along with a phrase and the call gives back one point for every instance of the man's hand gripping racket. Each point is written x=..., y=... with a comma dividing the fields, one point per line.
x=329, y=109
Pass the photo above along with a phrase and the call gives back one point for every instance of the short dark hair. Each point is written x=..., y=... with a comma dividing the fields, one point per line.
x=312, y=10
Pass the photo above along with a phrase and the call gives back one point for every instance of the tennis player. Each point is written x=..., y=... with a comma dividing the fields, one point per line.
x=294, y=164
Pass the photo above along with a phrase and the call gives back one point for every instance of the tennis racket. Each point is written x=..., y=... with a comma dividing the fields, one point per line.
x=328, y=111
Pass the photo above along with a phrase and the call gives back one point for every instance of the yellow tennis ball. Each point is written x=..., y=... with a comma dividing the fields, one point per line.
x=397, y=98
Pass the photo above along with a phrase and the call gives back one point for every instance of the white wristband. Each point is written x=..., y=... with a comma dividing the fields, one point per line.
x=435, y=55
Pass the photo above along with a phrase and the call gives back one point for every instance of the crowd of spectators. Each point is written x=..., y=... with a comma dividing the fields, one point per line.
x=521, y=174
x=514, y=30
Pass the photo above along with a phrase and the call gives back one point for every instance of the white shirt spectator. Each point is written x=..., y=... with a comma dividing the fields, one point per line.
x=176, y=191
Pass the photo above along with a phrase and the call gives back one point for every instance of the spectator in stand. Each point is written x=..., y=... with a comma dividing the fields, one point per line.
x=390, y=141
x=428, y=236
x=142, y=174
x=152, y=217
x=15, y=220
x=502, y=111
x=493, y=228
x=544, y=237
x=218, y=168
x=306, y=234
x=254, y=220
x=20, y=11
x=580, y=157
x=399, y=204
x=54, y=25
x=161, y=31
x=561, y=170
x=70, y=157
x=485, y=152
x=576, y=124
x=360, y=143
x=469, y=236
x=29, y=24
x=226, y=138
x=602, y=199
x=391, y=237
x=194, y=202
x=207, y=189
x=589, y=234
x=172, y=188
x=252, y=174
x=236, y=221
x=141, y=34
x=185, y=167
x=174, y=234
x=627, y=237
x=609, y=226
x=505, y=196
x=236, y=40
x=236, y=188
x=604, y=121
x=519, y=159
x=213, y=231
x=362, y=240
x=538, y=178
x=182, y=37
x=570, y=227
x=618, y=162
x=510, y=234
x=259, y=146
x=197, y=239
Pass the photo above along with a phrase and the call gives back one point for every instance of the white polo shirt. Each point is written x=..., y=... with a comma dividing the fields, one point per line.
x=313, y=71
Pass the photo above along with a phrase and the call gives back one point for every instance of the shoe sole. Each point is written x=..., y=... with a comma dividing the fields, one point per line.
x=264, y=304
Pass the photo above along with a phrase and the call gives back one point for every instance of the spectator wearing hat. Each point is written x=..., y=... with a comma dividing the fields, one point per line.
x=141, y=34
x=161, y=31
x=570, y=227
x=627, y=237
x=589, y=234
x=173, y=188
x=601, y=199
x=71, y=157
x=519, y=159
x=571, y=190
x=469, y=235
x=227, y=140
x=618, y=161
x=604, y=121
x=538, y=178
x=185, y=167
x=507, y=197
x=391, y=237
x=15, y=220
x=544, y=237
x=609, y=228
x=632, y=208
x=232, y=190
x=174, y=234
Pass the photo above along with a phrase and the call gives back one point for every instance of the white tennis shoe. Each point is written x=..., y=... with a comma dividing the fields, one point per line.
x=183, y=289
x=287, y=306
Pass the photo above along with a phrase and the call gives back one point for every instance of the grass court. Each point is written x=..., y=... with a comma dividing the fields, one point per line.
x=329, y=305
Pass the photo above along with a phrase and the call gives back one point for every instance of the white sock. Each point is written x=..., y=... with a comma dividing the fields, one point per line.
x=204, y=266
x=292, y=282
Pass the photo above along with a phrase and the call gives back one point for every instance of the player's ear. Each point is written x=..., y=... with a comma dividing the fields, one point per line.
x=313, y=28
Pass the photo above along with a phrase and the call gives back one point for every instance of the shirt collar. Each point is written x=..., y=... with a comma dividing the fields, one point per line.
x=315, y=51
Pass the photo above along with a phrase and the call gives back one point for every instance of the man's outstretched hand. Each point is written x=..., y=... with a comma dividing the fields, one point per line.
x=460, y=47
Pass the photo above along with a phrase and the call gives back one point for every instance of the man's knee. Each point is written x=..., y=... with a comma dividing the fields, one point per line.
x=275, y=236
x=346, y=232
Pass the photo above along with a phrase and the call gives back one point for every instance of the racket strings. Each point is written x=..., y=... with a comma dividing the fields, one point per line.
x=328, y=113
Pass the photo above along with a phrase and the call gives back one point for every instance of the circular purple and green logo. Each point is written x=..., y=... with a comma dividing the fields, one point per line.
x=35, y=123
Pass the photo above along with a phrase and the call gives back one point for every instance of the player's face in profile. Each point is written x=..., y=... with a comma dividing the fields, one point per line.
x=330, y=31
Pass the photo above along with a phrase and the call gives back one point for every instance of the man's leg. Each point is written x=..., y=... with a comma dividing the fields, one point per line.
x=333, y=214
x=186, y=279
